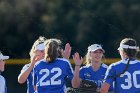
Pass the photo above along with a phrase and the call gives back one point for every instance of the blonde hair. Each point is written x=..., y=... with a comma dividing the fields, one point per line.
x=40, y=40
x=52, y=49
x=88, y=58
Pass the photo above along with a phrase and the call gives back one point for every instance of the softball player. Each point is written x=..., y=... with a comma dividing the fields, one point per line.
x=3, y=88
x=126, y=72
x=51, y=72
x=36, y=54
x=94, y=70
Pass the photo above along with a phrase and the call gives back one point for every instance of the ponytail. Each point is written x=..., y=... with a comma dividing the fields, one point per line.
x=52, y=50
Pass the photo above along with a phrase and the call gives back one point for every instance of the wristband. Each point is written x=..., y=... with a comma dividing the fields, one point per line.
x=77, y=65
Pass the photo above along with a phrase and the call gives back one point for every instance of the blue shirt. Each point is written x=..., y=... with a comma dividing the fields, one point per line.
x=3, y=88
x=51, y=76
x=87, y=73
x=129, y=82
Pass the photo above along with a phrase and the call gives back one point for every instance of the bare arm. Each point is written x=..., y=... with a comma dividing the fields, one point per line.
x=24, y=75
x=105, y=87
x=76, y=78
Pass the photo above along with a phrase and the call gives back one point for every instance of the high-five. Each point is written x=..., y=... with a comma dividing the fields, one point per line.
x=51, y=72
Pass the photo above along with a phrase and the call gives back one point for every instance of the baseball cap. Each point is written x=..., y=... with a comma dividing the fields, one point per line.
x=40, y=47
x=3, y=57
x=95, y=47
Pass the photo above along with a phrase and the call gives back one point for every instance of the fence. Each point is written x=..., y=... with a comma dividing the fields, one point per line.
x=25, y=61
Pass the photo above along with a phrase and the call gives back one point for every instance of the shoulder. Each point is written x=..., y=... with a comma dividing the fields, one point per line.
x=137, y=61
x=40, y=61
x=26, y=66
x=86, y=66
x=116, y=65
x=62, y=59
x=2, y=79
x=104, y=66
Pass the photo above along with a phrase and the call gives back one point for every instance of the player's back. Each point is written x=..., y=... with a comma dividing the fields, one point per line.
x=129, y=82
x=51, y=76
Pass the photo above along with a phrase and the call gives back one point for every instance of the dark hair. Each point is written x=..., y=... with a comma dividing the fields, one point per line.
x=131, y=53
x=52, y=50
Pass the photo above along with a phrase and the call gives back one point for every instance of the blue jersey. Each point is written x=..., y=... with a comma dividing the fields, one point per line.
x=51, y=76
x=30, y=84
x=3, y=88
x=87, y=73
x=129, y=82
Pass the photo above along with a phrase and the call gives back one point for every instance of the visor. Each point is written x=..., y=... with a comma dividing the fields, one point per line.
x=3, y=57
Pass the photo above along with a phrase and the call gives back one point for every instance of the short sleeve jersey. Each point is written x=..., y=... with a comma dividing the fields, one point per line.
x=2, y=84
x=129, y=82
x=87, y=73
x=51, y=76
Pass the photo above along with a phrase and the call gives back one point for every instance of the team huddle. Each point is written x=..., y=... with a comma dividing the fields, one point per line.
x=50, y=71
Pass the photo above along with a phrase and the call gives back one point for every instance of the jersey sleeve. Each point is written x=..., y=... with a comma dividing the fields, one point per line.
x=81, y=73
x=110, y=75
x=25, y=67
x=2, y=85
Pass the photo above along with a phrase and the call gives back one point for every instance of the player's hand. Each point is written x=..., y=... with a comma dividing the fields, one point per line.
x=77, y=59
x=35, y=58
x=67, y=51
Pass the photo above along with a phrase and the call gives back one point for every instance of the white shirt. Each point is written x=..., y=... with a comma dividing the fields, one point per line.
x=2, y=84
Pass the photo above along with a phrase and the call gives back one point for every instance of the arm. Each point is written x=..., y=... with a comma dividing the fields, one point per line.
x=26, y=70
x=105, y=88
x=76, y=78
x=108, y=80
x=24, y=74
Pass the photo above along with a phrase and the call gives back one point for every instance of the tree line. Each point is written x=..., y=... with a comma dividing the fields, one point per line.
x=79, y=22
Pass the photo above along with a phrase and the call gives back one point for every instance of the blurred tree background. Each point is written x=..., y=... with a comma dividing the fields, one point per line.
x=79, y=22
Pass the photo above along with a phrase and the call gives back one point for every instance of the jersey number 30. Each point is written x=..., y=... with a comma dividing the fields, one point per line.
x=130, y=80
x=52, y=80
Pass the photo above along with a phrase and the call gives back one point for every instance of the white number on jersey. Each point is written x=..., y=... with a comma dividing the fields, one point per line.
x=52, y=80
x=131, y=79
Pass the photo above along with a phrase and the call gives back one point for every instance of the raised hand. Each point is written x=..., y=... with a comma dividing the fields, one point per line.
x=77, y=59
x=35, y=58
x=67, y=51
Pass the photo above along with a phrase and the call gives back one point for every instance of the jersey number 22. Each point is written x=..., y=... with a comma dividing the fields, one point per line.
x=52, y=80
